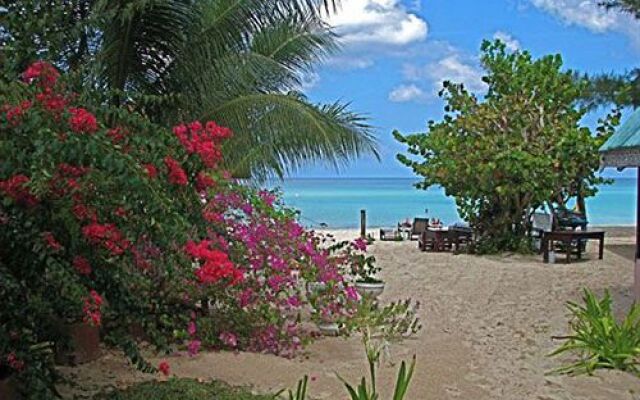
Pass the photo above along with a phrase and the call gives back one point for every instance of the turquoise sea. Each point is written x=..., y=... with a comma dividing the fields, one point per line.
x=337, y=202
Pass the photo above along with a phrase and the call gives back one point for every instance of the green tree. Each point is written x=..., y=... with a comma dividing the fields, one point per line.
x=622, y=89
x=240, y=63
x=515, y=149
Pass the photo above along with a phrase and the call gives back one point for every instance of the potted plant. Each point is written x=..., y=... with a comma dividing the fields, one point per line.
x=365, y=270
x=81, y=334
x=7, y=383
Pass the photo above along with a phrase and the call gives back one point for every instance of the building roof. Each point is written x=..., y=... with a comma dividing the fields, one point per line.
x=622, y=149
x=625, y=137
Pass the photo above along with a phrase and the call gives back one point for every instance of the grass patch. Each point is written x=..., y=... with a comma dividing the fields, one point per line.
x=183, y=389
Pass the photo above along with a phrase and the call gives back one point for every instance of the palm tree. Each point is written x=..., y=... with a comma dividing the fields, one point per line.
x=238, y=62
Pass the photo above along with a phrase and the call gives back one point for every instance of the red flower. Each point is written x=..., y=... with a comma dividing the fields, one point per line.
x=205, y=143
x=14, y=187
x=71, y=170
x=215, y=264
x=91, y=309
x=82, y=265
x=117, y=134
x=106, y=235
x=44, y=74
x=164, y=368
x=51, y=241
x=177, y=176
x=15, y=113
x=82, y=121
x=204, y=182
x=14, y=363
x=52, y=102
x=84, y=212
x=151, y=170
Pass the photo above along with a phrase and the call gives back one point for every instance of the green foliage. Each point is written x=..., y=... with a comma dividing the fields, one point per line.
x=622, y=89
x=301, y=390
x=628, y=6
x=369, y=392
x=599, y=340
x=394, y=321
x=240, y=63
x=183, y=389
x=515, y=149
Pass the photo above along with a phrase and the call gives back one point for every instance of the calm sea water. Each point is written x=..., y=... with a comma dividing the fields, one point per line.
x=337, y=202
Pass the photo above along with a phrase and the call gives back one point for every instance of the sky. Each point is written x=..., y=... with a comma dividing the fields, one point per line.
x=396, y=53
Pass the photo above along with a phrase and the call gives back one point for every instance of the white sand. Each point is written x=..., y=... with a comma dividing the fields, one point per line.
x=488, y=323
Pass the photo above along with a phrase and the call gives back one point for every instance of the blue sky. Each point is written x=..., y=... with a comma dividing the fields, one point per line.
x=396, y=53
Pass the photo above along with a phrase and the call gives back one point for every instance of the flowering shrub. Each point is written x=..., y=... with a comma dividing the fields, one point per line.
x=264, y=310
x=96, y=207
x=109, y=220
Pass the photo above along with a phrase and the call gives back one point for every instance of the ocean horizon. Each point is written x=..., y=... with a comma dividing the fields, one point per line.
x=337, y=202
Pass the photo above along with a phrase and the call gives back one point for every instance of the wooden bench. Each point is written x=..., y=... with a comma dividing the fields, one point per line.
x=568, y=238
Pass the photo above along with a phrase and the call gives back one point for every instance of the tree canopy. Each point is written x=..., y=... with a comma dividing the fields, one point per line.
x=518, y=147
x=240, y=63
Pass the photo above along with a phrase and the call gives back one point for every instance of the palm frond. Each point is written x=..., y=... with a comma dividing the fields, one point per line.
x=278, y=133
x=141, y=38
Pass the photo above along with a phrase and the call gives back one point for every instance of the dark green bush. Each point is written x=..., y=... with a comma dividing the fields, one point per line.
x=183, y=389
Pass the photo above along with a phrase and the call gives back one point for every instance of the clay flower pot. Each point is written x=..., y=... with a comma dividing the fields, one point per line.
x=8, y=388
x=370, y=289
x=84, y=340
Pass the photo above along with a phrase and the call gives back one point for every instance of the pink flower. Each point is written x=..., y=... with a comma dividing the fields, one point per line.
x=192, y=328
x=194, y=347
x=229, y=339
x=352, y=293
x=360, y=244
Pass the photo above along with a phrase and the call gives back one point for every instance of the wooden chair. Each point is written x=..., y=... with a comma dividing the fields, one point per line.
x=419, y=225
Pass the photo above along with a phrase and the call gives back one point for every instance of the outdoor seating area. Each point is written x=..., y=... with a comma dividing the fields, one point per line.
x=431, y=234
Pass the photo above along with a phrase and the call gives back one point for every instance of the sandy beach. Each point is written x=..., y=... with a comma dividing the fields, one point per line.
x=488, y=327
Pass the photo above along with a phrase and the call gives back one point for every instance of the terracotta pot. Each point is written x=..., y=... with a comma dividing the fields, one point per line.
x=84, y=340
x=8, y=389
x=370, y=289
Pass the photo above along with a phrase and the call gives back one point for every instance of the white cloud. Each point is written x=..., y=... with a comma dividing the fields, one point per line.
x=377, y=22
x=353, y=62
x=452, y=67
x=309, y=80
x=405, y=93
x=512, y=43
x=588, y=14
x=585, y=13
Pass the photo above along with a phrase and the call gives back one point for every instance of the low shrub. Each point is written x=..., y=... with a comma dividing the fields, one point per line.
x=183, y=389
x=599, y=340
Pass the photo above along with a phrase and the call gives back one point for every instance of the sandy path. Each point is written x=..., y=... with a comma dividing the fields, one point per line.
x=488, y=323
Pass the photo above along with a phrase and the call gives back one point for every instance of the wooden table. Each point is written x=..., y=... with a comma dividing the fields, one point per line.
x=568, y=237
x=438, y=237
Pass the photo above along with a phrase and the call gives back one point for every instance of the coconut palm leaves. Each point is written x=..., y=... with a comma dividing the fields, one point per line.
x=239, y=62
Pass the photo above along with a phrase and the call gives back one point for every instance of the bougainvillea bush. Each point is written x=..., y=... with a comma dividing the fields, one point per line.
x=110, y=220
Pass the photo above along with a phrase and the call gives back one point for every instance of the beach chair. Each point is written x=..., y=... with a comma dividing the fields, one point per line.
x=419, y=225
x=541, y=223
